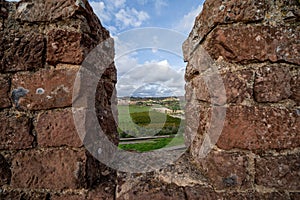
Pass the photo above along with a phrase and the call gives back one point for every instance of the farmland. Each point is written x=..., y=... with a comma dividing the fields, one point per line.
x=141, y=121
x=154, y=144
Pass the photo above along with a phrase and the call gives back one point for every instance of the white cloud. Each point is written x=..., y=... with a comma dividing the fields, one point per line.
x=155, y=78
x=112, y=29
x=159, y=4
x=100, y=9
x=131, y=17
x=119, y=3
x=142, y=2
x=116, y=15
x=187, y=22
x=125, y=64
x=144, y=73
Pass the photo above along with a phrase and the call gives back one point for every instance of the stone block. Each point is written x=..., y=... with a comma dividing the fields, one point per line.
x=272, y=84
x=260, y=128
x=57, y=128
x=18, y=195
x=247, y=44
x=295, y=89
x=4, y=92
x=47, y=88
x=64, y=46
x=281, y=172
x=223, y=12
x=295, y=195
x=46, y=10
x=204, y=193
x=21, y=51
x=225, y=170
x=50, y=169
x=227, y=87
x=199, y=192
x=68, y=197
x=3, y=9
x=15, y=131
x=153, y=190
x=5, y=172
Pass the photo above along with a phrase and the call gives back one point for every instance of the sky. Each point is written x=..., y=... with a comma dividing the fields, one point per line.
x=148, y=38
x=121, y=15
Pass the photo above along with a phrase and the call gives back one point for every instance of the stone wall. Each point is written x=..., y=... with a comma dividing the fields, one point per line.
x=253, y=47
x=243, y=61
x=242, y=112
x=43, y=44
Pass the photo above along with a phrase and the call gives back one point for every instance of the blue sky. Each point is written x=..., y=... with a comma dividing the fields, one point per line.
x=121, y=15
x=149, y=60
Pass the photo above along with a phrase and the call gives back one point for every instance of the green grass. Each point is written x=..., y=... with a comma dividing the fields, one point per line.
x=153, y=145
x=125, y=112
x=140, y=121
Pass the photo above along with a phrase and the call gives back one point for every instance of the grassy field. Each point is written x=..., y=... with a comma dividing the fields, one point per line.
x=141, y=121
x=154, y=144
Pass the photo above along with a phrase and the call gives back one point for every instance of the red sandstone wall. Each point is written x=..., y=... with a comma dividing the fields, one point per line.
x=249, y=48
x=255, y=45
x=42, y=46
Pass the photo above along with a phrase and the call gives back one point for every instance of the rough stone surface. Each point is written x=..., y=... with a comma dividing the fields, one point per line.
x=203, y=193
x=223, y=12
x=251, y=49
x=196, y=192
x=57, y=128
x=5, y=172
x=288, y=11
x=64, y=46
x=46, y=10
x=55, y=11
x=236, y=85
x=183, y=172
x=22, y=51
x=15, y=131
x=106, y=112
x=260, y=128
x=21, y=47
x=225, y=170
x=246, y=44
x=272, y=84
x=47, y=88
x=198, y=63
x=69, y=197
x=4, y=92
x=20, y=195
x=295, y=88
x=216, y=13
x=198, y=117
x=281, y=172
x=166, y=183
x=153, y=190
x=102, y=192
x=295, y=195
x=256, y=195
x=105, y=191
x=43, y=44
x=3, y=9
x=59, y=169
